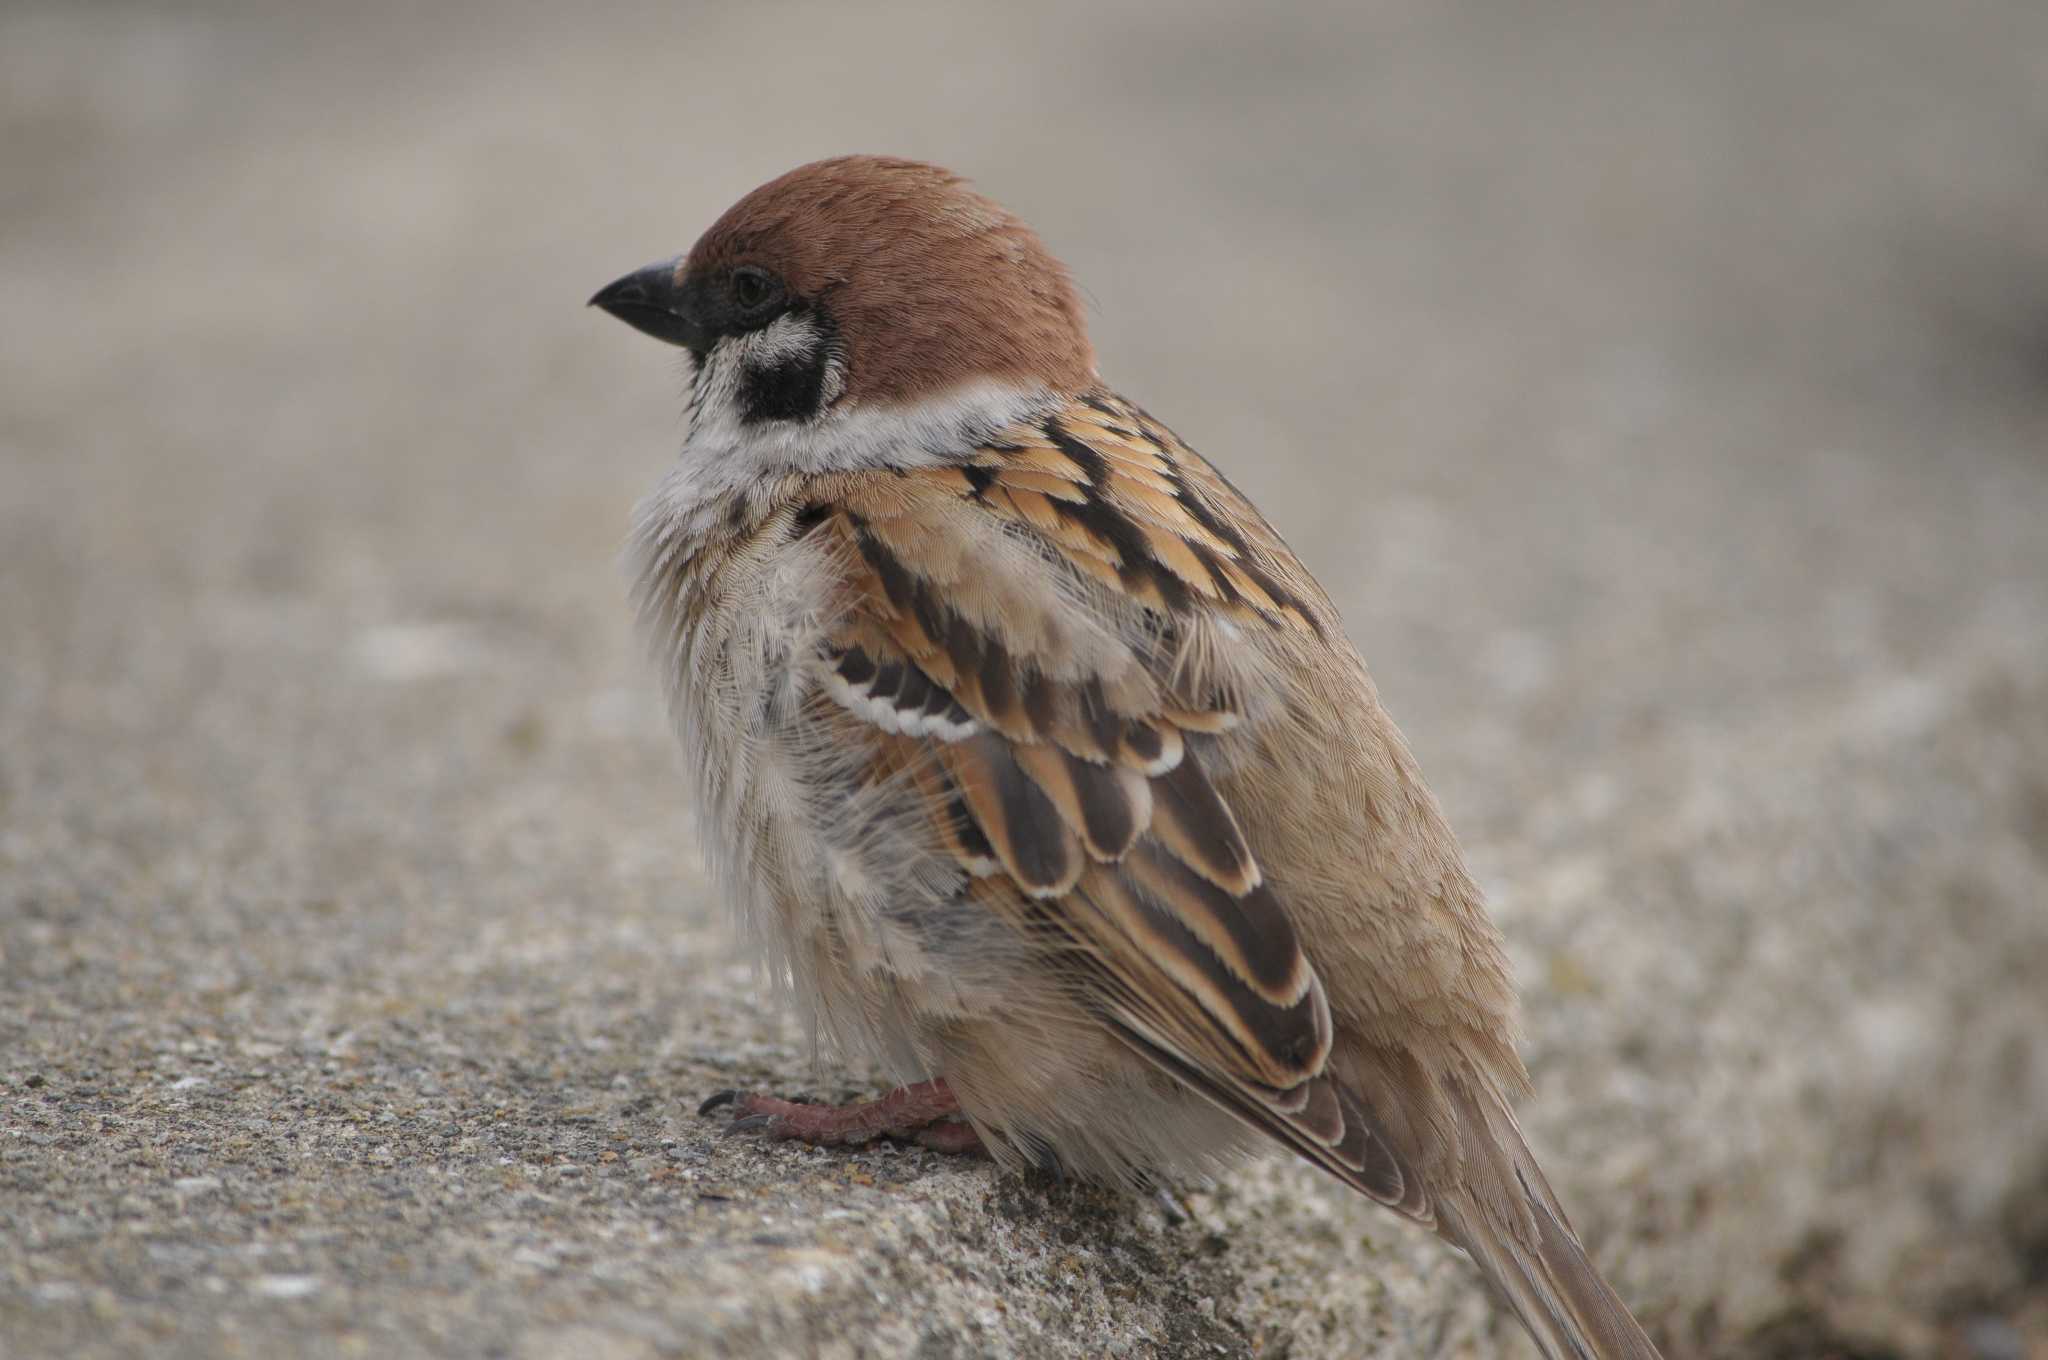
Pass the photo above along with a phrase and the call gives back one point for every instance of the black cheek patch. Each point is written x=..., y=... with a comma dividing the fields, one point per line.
x=792, y=390
x=794, y=387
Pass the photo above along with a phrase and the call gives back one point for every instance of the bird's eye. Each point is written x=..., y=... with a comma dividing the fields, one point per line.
x=754, y=290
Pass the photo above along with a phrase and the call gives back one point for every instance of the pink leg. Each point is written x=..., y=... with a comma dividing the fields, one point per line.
x=923, y=1113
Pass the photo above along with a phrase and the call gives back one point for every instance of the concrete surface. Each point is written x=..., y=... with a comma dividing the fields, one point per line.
x=1662, y=391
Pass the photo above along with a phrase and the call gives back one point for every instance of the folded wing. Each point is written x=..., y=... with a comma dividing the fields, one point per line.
x=1033, y=635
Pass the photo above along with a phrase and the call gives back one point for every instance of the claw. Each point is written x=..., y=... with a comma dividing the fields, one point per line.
x=753, y=1123
x=1170, y=1205
x=716, y=1099
x=1044, y=1158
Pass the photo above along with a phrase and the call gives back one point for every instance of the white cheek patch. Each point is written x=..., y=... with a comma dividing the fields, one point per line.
x=834, y=385
x=789, y=338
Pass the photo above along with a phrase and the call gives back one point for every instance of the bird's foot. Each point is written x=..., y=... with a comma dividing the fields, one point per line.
x=925, y=1114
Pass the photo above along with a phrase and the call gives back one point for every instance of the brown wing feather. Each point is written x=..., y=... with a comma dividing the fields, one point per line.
x=1067, y=762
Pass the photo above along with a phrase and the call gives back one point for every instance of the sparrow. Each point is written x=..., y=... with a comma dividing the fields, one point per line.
x=1039, y=769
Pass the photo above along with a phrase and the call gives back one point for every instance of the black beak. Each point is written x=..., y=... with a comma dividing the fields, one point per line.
x=652, y=300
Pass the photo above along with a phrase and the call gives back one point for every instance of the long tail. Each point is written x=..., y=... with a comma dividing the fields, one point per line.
x=1514, y=1229
x=1552, y=1287
x=1497, y=1207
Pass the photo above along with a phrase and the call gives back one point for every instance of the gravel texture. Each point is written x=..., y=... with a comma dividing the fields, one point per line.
x=1661, y=391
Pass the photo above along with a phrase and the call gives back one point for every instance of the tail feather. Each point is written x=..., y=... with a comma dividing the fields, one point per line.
x=1484, y=1192
x=1509, y=1221
x=1552, y=1286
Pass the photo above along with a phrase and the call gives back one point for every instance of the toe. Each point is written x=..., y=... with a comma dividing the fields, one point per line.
x=770, y=1124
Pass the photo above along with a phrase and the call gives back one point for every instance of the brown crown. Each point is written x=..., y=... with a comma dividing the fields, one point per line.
x=930, y=284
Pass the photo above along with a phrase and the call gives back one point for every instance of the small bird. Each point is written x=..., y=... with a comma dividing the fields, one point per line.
x=1038, y=766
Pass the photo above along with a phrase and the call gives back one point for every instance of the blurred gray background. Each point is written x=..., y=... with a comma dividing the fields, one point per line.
x=1661, y=390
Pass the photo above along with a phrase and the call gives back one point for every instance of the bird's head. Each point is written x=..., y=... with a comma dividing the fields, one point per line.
x=860, y=286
